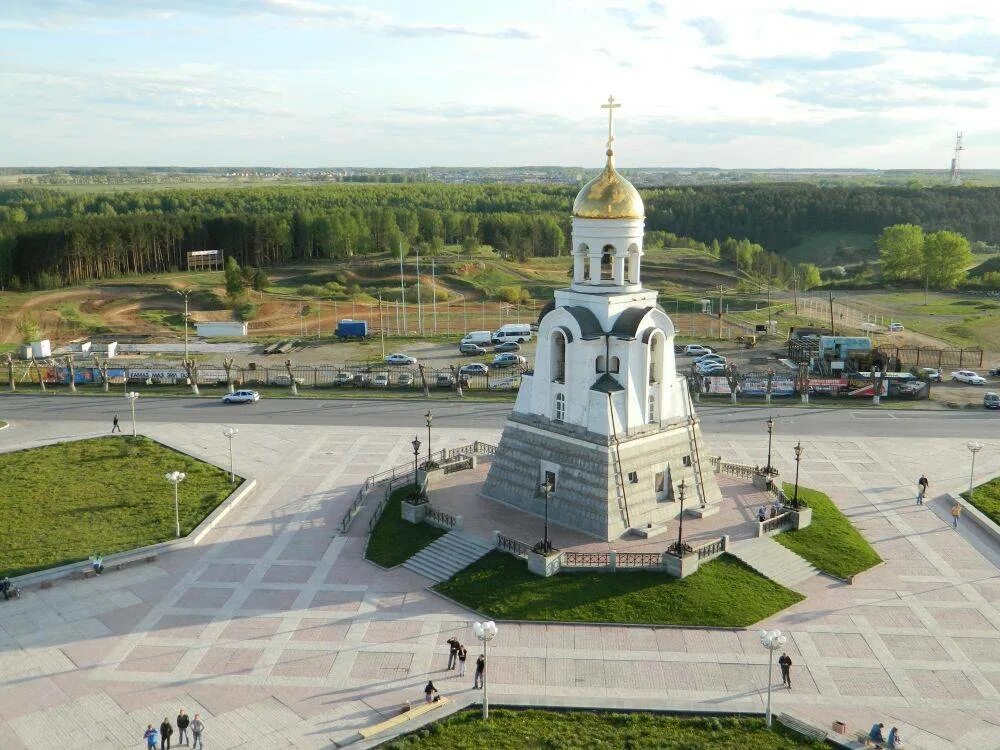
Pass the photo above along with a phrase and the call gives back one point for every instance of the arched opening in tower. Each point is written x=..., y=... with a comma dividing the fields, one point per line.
x=607, y=260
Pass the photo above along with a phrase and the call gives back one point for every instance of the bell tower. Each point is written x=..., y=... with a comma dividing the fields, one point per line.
x=603, y=417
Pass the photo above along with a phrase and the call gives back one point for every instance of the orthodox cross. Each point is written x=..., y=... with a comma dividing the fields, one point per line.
x=611, y=106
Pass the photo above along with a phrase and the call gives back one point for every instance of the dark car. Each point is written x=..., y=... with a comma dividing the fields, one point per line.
x=507, y=346
x=991, y=400
x=471, y=349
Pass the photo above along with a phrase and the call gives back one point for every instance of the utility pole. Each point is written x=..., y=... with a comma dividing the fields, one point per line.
x=402, y=289
x=184, y=293
x=833, y=331
x=795, y=290
x=381, y=326
x=719, y=316
x=420, y=314
x=434, y=296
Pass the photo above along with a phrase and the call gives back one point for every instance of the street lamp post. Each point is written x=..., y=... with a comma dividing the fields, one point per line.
x=974, y=447
x=184, y=293
x=798, y=458
x=132, y=396
x=175, y=478
x=772, y=640
x=486, y=632
x=428, y=417
x=678, y=546
x=770, y=432
x=230, y=432
x=546, y=488
x=416, y=454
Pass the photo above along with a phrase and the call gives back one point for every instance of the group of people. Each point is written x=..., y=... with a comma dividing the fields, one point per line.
x=762, y=513
x=956, y=509
x=457, y=654
x=163, y=735
x=892, y=742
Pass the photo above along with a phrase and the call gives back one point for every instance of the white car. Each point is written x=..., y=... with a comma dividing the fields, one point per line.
x=931, y=374
x=343, y=378
x=405, y=380
x=711, y=368
x=695, y=350
x=241, y=397
x=400, y=359
x=476, y=368
x=895, y=327
x=968, y=376
x=380, y=380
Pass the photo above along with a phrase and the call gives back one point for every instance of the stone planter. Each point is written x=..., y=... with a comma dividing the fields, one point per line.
x=414, y=513
x=680, y=567
x=544, y=565
x=801, y=518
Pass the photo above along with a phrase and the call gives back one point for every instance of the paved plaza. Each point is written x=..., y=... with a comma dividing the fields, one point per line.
x=278, y=633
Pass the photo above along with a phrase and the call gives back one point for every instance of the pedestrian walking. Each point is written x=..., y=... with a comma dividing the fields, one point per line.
x=115, y=427
x=875, y=735
x=956, y=511
x=762, y=514
x=785, y=662
x=182, y=726
x=197, y=727
x=166, y=730
x=480, y=672
x=429, y=692
x=151, y=736
x=922, y=484
x=462, y=655
x=453, y=646
x=894, y=741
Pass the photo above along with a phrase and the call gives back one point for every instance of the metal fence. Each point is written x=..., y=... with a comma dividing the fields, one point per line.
x=711, y=549
x=437, y=517
x=777, y=523
x=586, y=559
x=639, y=560
x=511, y=545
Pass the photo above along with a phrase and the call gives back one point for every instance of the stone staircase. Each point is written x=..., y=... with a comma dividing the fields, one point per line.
x=446, y=555
x=773, y=561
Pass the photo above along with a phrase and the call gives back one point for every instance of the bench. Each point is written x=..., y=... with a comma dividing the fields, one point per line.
x=88, y=572
x=120, y=562
x=402, y=718
x=806, y=730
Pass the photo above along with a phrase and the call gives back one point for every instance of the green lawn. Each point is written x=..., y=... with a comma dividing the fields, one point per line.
x=723, y=593
x=63, y=502
x=393, y=540
x=986, y=499
x=509, y=729
x=830, y=542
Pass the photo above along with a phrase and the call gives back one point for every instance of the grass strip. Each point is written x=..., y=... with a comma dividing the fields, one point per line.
x=830, y=542
x=394, y=541
x=986, y=499
x=722, y=593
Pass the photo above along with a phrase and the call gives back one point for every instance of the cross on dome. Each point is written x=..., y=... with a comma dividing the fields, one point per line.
x=611, y=106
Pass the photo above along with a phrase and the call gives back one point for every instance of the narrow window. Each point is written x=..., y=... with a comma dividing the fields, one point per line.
x=558, y=356
x=687, y=460
x=633, y=477
x=550, y=480
x=658, y=483
x=560, y=407
x=615, y=364
x=599, y=365
x=652, y=409
x=607, y=254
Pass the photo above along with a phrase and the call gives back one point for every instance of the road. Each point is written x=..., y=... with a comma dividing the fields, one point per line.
x=410, y=413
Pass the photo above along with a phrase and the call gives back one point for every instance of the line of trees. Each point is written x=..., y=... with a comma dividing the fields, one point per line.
x=939, y=260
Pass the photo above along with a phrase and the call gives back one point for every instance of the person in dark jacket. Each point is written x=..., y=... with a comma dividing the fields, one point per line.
x=480, y=672
x=785, y=662
x=182, y=726
x=166, y=729
x=429, y=692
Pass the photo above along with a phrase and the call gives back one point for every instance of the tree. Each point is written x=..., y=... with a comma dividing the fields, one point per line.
x=227, y=365
x=9, y=361
x=71, y=368
x=901, y=247
x=191, y=368
x=809, y=276
x=234, y=279
x=28, y=329
x=946, y=259
x=102, y=369
x=291, y=377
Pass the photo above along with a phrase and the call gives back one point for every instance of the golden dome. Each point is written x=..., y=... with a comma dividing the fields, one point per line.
x=609, y=196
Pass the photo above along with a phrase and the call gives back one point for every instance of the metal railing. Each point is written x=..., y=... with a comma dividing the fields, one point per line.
x=639, y=560
x=453, y=466
x=741, y=471
x=511, y=545
x=586, y=559
x=439, y=518
x=359, y=501
x=777, y=523
x=712, y=549
x=377, y=514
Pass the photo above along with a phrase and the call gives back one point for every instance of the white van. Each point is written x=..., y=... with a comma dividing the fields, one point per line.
x=519, y=332
x=479, y=338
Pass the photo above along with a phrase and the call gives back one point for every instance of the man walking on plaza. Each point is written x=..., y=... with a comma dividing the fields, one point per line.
x=785, y=662
x=115, y=427
x=182, y=727
x=453, y=645
x=197, y=727
x=480, y=672
x=921, y=489
x=166, y=731
x=956, y=511
x=462, y=656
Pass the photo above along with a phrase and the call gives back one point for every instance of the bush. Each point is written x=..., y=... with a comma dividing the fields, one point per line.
x=514, y=295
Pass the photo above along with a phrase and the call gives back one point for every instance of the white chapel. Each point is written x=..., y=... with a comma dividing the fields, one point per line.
x=604, y=421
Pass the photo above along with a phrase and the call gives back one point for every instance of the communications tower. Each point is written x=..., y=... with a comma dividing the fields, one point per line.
x=956, y=178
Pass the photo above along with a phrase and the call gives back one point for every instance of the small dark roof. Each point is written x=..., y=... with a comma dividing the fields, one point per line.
x=628, y=322
x=549, y=307
x=590, y=326
x=606, y=384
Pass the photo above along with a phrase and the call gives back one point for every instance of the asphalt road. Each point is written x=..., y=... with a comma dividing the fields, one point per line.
x=410, y=413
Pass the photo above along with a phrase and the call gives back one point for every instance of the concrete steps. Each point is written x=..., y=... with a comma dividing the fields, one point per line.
x=773, y=561
x=445, y=556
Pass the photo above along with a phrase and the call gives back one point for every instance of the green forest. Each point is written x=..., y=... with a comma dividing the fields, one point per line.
x=50, y=237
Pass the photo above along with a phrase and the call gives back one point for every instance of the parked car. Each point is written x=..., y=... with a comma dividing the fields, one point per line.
x=362, y=379
x=400, y=359
x=508, y=360
x=696, y=350
x=991, y=400
x=405, y=379
x=516, y=332
x=444, y=380
x=704, y=358
x=712, y=370
x=995, y=372
x=507, y=346
x=381, y=380
x=241, y=397
x=342, y=378
x=931, y=374
x=479, y=338
x=476, y=368
x=968, y=376
x=467, y=347
x=285, y=381
x=895, y=327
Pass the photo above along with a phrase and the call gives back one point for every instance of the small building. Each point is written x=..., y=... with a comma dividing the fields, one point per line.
x=109, y=350
x=82, y=347
x=41, y=349
x=221, y=328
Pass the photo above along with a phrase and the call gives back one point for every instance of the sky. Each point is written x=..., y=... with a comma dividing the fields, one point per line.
x=314, y=83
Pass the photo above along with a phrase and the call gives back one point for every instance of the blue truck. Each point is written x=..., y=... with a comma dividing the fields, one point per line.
x=352, y=329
